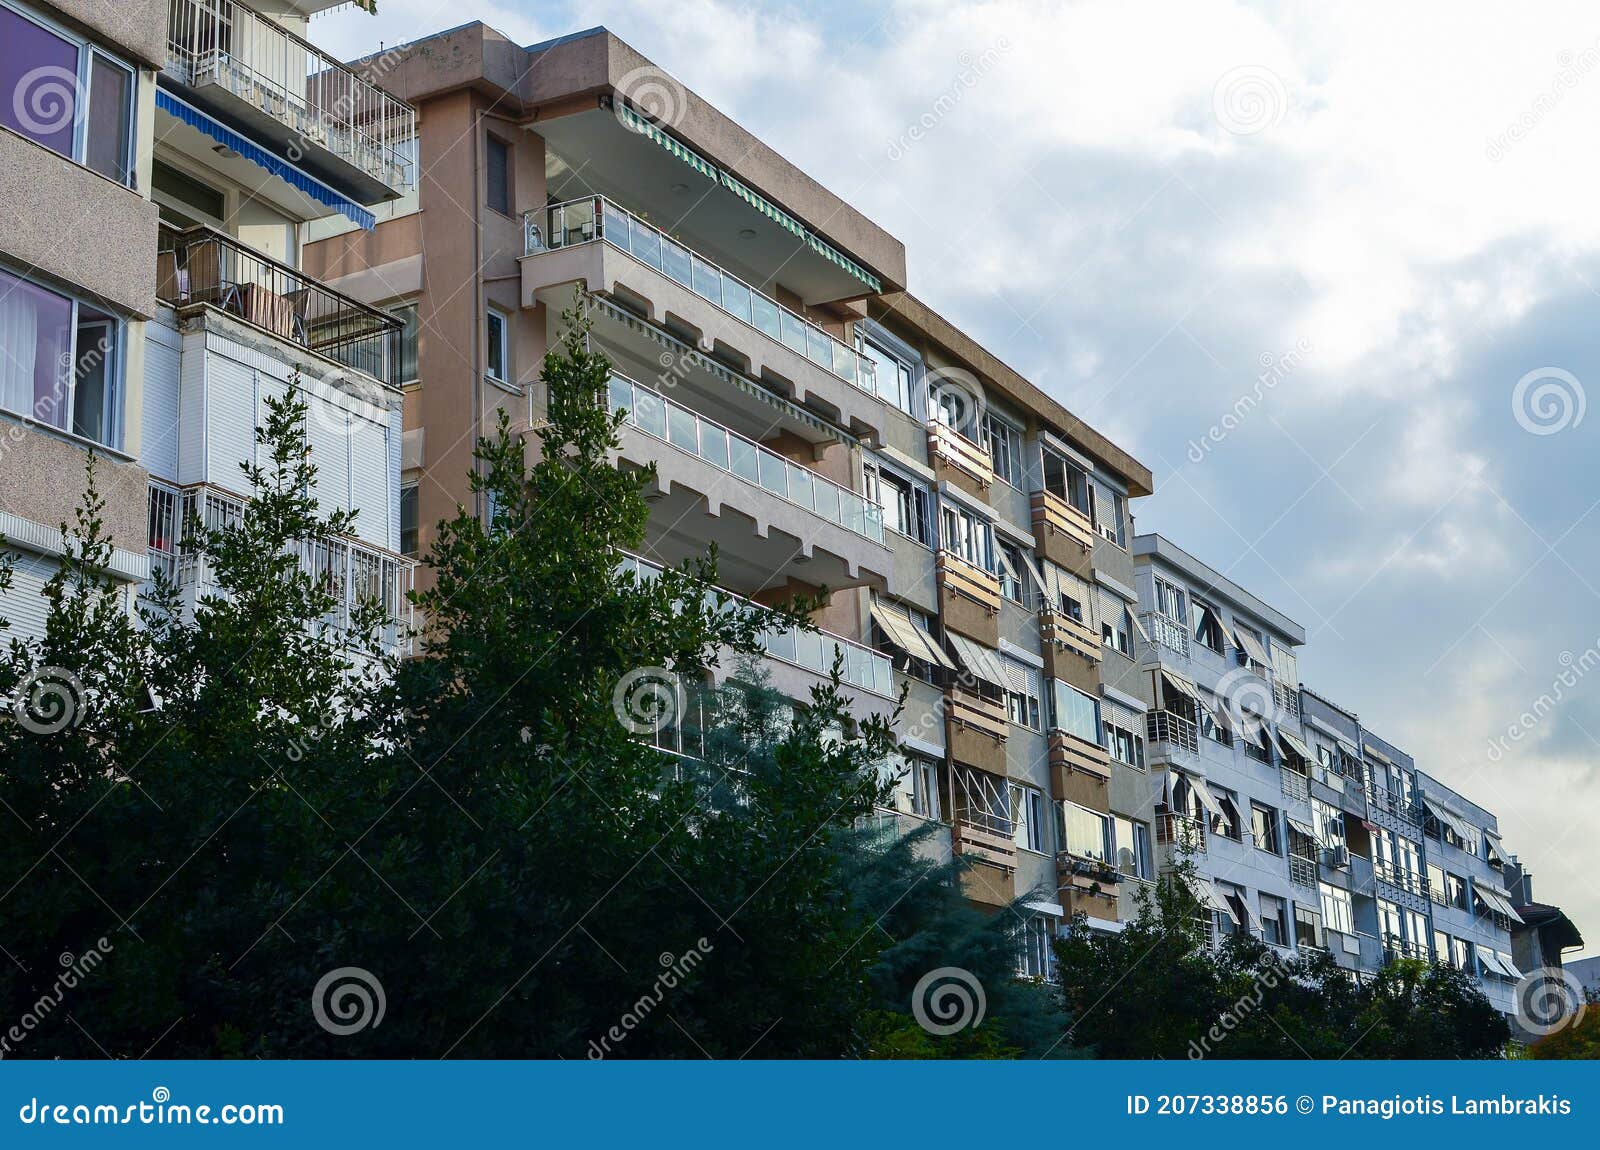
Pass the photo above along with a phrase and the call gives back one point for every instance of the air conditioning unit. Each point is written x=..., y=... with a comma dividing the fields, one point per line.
x=1337, y=857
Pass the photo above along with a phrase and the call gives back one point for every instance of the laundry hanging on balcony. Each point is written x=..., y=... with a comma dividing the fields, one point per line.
x=256, y=154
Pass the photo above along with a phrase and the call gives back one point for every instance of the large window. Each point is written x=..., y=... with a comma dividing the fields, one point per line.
x=1170, y=602
x=1022, y=693
x=1005, y=449
x=1108, y=514
x=1328, y=821
x=1116, y=630
x=1133, y=847
x=1064, y=478
x=66, y=94
x=1274, y=920
x=1075, y=712
x=1264, y=826
x=905, y=503
x=1035, y=959
x=1207, y=626
x=406, y=313
x=1084, y=833
x=60, y=361
x=1027, y=811
x=1337, y=910
x=893, y=372
x=1308, y=928
x=967, y=535
x=924, y=787
x=1125, y=743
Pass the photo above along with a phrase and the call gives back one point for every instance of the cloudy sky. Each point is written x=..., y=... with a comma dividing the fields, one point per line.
x=1329, y=273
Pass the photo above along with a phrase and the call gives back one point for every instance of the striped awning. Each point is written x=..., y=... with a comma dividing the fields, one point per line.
x=977, y=659
x=743, y=191
x=1251, y=646
x=1292, y=742
x=262, y=158
x=910, y=638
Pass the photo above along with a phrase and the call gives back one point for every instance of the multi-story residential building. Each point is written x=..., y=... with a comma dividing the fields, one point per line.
x=820, y=425
x=151, y=293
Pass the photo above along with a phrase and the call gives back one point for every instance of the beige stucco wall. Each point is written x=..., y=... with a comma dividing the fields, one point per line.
x=42, y=479
x=137, y=28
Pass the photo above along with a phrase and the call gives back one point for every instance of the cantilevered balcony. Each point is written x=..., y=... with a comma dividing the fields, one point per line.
x=595, y=242
x=320, y=115
x=202, y=266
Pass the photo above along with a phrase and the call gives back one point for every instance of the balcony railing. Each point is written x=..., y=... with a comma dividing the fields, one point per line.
x=1303, y=871
x=201, y=265
x=1382, y=799
x=1286, y=698
x=1295, y=785
x=655, y=415
x=1183, y=831
x=1168, y=632
x=1412, y=882
x=813, y=650
x=597, y=218
x=296, y=83
x=1170, y=727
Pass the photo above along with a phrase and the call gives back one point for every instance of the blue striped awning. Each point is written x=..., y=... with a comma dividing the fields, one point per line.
x=258, y=155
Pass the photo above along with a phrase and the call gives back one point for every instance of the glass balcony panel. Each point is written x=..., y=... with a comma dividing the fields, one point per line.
x=614, y=225
x=645, y=243
x=844, y=362
x=794, y=332
x=773, y=475
x=819, y=348
x=827, y=501
x=714, y=445
x=767, y=314
x=743, y=455
x=808, y=650
x=650, y=412
x=621, y=395
x=707, y=281
x=851, y=513
x=800, y=486
x=676, y=262
x=781, y=644
x=683, y=429
x=736, y=298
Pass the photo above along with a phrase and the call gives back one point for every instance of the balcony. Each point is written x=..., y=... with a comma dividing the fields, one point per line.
x=340, y=128
x=1169, y=727
x=1295, y=785
x=682, y=289
x=969, y=598
x=839, y=533
x=1056, y=626
x=1286, y=698
x=1069, y=754
x=959, y=459
x=1303, y=871
x=1168, y=632
x=1182, y=831
x=975, y=730
x=201, y=266
x=1065, y=535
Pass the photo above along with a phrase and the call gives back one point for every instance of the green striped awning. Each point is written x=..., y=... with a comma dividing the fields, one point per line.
x=749, y=195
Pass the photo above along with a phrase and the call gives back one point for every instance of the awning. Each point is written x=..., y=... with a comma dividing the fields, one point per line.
x=262, y=158
x=1454, y=822
x=910, y=638
x=978, y=660
x=1205, y=893
x=1303, y=828
x=1203, y=792
x=1509, y=966
x=749, y=195
x=1213, y=706
x=1497, y=898
x=1377, y=754
x=1492, y=960
x=1294, y=744
x=1181, y=685
x=1139, y=626
x=1251, y=646
x=1241, y=906
x=1493, y=851
x=1233, y=908
x=1039, y=585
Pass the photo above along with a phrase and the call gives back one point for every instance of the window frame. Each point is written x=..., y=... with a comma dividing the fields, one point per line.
x=1007, y=446
x=410, y=491
x=115, y=398
x=906, y=386
x=1030, y=707
x=1065, y=837
x=1027, y=818
x=1274, y=833
x=492, y=314
x=508, y=184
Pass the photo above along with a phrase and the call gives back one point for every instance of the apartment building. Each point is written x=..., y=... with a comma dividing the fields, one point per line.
x=821, y=425
x=150, y=281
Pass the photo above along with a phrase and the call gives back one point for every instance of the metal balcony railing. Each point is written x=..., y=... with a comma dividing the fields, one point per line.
x=1382, y=799
x=1286, y=698
x=1295, y=785
x=813, y=650
x=1170, y=727
x=1412, y=882
x=201, y=265
x=1303, y=871
x=727, y=450
x=1183, y=831
x=1168, y=632
x=296, y=83
x=597, y=218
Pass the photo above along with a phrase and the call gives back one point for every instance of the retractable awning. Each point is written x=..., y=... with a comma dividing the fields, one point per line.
x=256, y=154
x=1303, y=827
x=1203, y=793
x=977, y=660
x=910, y=638
x=1206, y=894
x=1497, y=898
x=1492, y=960
x=1050, y=593
x=1294, y=744
x=1251, y=646
x=1181, y=685
x=1449, y=819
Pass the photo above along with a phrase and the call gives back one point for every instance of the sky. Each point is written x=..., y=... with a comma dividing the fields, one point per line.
x=1331, y=274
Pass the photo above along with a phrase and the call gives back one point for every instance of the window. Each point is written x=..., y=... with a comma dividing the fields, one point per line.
x=1133, y=847
x=1075, y=712
x=184, y=200
x=1337, y=911
x=66, y=95
x=1022, y=693
x=1274, y=923
x=1328, y=821
x=498, y=358
x=1211, y=721
x=408, y=519
x=1264, y=826
x=499, y=175
x=1125, y=745
x=1207, y=626
x=983, y=800
x=1436, y=883
x=905, y=503
x=406, y=313
x=1012, y=585
x=1035, y=958
x=894, y=374
x=1083, y=832
x=1066, y=480
x=1108, y=517
x=62, y=361
x=1005, y=449
x=1116, y=630
x=1461, y=954
x=924, y=787
x=968, y=536
x=1455, y=891
x=1027, y=811
x=1228, y=823
x=1308, y=928
x=1169, y=601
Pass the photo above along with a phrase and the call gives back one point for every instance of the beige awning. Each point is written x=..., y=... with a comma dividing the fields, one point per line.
x=1251, y=646
x=1207, y=799
x=1181, y=685
x=910, y=638
x=1205, y=893
x=977, y=659
x=1040, y=587
x=1294, y=744
x=1303, y=828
